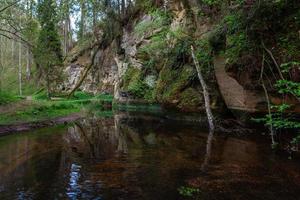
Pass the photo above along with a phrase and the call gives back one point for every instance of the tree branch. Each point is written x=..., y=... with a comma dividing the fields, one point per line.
x=8, y=6
x=16, y=35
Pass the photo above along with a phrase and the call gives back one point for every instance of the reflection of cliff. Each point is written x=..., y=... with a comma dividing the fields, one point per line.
x=138, y=157
x=237, y=169
x=96, y=138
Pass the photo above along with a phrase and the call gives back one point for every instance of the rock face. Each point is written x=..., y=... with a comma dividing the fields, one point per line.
x=142, y=72
x=150, y=63
x=103, y=75
x=235, y=95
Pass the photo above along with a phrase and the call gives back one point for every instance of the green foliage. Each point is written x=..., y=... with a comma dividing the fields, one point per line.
x=49, y=46
x=48, y=52
x=135, y=85
x=231, y=36
x=31, y=31
x=190, y=99
x=288, y=87
x=233, y=22
x=40, y=110
x=157, y=29
x=172, y=84
x=6, y=98
x=180, y=53
x=205, y=58
x=82, y=95
x=159, y=20
x=156, y=47
x=212, y=2
x=236, y=45
x=286, y=67
x=104, y=97
x=295, y=140
x=279, y=118
x=40, y=95
x=188, y=191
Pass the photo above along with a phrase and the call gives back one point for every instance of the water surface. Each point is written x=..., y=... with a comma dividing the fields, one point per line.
x=142, y=158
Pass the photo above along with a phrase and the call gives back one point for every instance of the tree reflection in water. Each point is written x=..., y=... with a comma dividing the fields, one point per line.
x=97, y=138
x=139, y=157
x=207, y=156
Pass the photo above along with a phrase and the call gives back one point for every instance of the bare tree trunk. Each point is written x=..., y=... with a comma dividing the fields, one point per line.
x=1, y=61
x=13, y=50
x=82, y=18
x=65, y=38
x=20, y=69
x=123, y=8
x=205, y=92
x=28, y=64
x=48, y=83
x=208, y=150
x=268, y=101
x=67, y=30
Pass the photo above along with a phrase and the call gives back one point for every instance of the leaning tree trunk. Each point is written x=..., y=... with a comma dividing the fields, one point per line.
x=205, y=92
x=85, y=73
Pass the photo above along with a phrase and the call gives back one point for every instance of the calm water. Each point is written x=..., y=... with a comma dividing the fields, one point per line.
x=141, y=158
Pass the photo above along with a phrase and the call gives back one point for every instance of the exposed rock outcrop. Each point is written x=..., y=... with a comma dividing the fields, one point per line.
x=150, y=63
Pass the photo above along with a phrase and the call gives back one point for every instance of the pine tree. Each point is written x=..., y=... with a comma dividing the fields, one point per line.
x=48, y=53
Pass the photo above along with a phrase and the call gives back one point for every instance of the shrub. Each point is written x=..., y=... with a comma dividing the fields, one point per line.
x=6, y=98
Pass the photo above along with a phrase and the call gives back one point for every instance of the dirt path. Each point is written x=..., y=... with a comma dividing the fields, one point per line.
x=16, y=106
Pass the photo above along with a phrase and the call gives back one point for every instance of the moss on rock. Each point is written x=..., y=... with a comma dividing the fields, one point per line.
x=173, y=88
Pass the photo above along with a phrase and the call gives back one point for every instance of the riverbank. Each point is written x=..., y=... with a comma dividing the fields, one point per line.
x=25, y=111
x=29, y=112
x=27, y=126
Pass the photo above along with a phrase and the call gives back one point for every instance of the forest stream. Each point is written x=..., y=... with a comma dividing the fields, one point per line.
x=147, y=157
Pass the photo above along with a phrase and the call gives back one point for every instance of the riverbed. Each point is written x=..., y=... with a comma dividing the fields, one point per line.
x=142, y=157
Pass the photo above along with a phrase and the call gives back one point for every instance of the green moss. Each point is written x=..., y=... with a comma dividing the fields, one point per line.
x=172, y=82
x=160, y=19
x=134, y=84
x=190, y=99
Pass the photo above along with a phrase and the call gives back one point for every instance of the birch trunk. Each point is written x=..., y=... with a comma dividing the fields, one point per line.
x=20, y=69
x=1, y=61
x=205, y=92
x=28, y=64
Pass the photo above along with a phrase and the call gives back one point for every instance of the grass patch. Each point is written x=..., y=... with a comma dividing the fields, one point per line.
x=40, y=110
x=82, y=95
x=6, y=98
